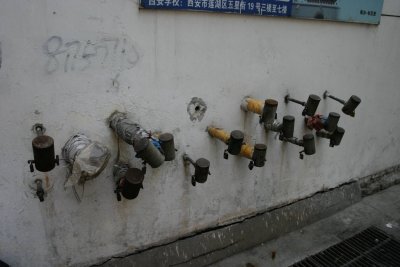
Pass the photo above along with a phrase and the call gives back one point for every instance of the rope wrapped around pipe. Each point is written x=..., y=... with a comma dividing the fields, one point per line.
x=86, y=158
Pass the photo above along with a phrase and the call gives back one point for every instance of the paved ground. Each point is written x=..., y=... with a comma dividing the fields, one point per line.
x=381, y=209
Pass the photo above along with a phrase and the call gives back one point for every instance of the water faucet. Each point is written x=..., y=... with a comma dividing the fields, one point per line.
x=349, y=106
x=201, y=169
x=237, y=146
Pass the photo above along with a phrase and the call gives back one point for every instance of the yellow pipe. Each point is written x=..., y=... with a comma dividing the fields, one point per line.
x=219, y=134
x=245, y=151
x=255, y=105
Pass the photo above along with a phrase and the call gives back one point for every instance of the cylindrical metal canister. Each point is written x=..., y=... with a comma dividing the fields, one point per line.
x=311, y=105
x=202, y=167
x=309, y=144
x=131, y=184
x=168, y=146
x=43, y=153
x=149, y=153
x=351, y=105
x=332, y=121
x=259, y=153
x=269, y=111
x=235, y=142
x=337, y=136
x=288, y=126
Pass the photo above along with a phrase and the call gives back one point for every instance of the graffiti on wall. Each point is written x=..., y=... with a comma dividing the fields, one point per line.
x=76, y=55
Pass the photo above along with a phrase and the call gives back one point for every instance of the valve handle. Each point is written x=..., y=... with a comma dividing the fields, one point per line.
x=226, y=154
x=40, y=195
x=144, y=169
x=39, y=190
x=117, y=191
x=193, y=181
x=31, y=165
x=251, y=165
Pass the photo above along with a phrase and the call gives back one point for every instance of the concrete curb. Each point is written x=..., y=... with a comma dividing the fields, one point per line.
x=213, y=245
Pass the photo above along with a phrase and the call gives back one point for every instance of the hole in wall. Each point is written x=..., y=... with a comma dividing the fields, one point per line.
x=196, y=109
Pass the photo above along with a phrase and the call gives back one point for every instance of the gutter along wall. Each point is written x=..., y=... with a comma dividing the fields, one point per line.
x=151, y=64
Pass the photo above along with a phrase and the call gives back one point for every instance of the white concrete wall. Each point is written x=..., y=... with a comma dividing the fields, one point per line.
x=169, y=58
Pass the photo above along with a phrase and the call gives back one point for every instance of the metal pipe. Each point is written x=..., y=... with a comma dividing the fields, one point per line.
x=269, y=111
x=288, y=98
x=350, y=106
x=337, y=136
x=39, y=190
x=202, y=169
x=259, y=153
x=275, y=126
x=323, y=134
x=133, y=134
x=288, y=126
x=43, y=153
x=127, y=130
x=168, y=146
x=235, y=142
x=292, y=140
x=187, y=158
x=337, y=99
x=311, y=105
x=309, y=144
x=326, y=94
x=332, y=121
x=148, y=152
x=131, y=183
x=44, y=156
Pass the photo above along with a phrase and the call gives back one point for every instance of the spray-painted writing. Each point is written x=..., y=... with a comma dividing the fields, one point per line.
x=119, y=53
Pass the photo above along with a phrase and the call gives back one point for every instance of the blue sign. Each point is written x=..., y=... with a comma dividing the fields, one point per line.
x=252, y=7
x=361, y=11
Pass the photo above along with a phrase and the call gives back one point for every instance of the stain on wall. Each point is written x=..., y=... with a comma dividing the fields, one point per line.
x=196, y=109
